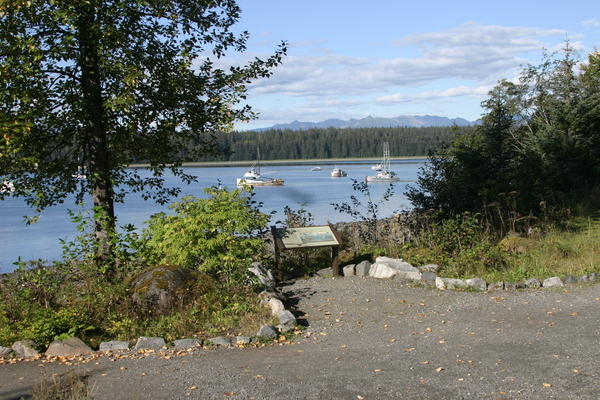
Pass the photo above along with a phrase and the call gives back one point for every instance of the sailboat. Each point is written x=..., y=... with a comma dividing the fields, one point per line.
x=383, y=173
x=252, y=176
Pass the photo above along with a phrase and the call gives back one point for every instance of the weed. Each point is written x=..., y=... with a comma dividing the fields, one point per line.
x=65, y=386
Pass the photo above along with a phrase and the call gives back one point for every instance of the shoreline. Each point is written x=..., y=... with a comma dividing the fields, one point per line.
x=340, y=161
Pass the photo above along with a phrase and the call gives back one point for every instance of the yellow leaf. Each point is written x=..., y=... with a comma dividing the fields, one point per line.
x=440, y=369
x=546, y=384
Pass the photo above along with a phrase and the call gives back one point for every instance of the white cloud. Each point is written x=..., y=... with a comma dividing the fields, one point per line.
x=591, y=24
x=468, y=91
x=470, y=52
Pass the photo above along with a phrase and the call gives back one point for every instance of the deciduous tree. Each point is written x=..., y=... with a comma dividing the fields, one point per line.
x=90, y=87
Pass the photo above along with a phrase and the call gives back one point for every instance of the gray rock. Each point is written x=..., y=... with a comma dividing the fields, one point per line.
x=386, y=267
x=69, y=347
x=553, y=282
x=349, y=270
x=533, y=283
x=276, y=306
x=263, y=274
x=267, y=332
x=114, y=345
x=440, y=284
x=428, y=277
x=162, y=286
x=363, y=268
x=243, y=340
x=593, y=277
x=496, y=286
x=569, y=279
x=287, y=321
x=584, y=278
x=220, y=340
x=155, y=343
x=477, y=283
x=513, y=286
x=25, y=348
x=324, y=272
x=452, y=283
x=429, y=268
x=266, y=295
x=187, y=343
x=4, y=351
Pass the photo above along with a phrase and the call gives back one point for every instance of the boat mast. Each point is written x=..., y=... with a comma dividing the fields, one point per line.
x=386, y=156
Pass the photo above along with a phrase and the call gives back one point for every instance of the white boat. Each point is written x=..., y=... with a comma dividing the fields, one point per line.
x=316, y=169
x=338, y=173
x=384, y=174
x=252, y=176
x=7, y=187
x=377, y=167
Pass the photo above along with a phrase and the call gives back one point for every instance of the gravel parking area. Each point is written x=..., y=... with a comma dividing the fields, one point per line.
x=367, y=338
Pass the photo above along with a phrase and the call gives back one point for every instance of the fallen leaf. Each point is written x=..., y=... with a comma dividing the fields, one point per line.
x=440, y=369
x=546, y=385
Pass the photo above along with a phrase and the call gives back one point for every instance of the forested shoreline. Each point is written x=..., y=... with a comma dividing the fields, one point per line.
x=333, y=143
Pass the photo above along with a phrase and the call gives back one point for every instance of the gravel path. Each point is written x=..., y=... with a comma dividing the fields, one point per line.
x=377, y=339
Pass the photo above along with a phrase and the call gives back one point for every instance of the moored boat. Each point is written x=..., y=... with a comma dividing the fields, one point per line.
x=383, y=173
x=252, y=176
x=316, y=169
x=338, y=173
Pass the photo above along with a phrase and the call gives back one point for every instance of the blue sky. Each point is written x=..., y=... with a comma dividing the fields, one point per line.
x=350, y=59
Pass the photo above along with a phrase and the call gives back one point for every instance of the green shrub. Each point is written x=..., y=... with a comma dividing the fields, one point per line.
x=219, y=236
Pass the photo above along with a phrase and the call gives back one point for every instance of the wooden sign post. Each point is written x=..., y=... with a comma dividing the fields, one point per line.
x=309, y=237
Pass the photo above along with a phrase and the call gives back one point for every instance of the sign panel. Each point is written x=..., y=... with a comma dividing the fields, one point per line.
x=306, y=237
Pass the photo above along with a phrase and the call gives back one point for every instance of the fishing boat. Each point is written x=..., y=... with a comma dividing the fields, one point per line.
x=384, y=174
x=316, y=169
x=338, y=173
x=252, y=176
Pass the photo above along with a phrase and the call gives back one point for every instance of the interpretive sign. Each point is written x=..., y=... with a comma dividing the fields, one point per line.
x=308, y=237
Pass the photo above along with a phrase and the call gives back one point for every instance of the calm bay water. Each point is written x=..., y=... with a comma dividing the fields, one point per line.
x=315, y=189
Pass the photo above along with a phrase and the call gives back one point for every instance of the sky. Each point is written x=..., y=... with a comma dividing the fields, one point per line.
x=386, y=58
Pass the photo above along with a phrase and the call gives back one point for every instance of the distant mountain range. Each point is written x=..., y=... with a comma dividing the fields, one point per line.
x=370, y=122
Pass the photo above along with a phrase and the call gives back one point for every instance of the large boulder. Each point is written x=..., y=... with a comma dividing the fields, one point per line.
x=386, y=267
x=69, y=347
x=161, y=286
x=25, y=348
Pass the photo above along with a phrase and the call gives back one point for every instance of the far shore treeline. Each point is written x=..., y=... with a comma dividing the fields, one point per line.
x=333, y=143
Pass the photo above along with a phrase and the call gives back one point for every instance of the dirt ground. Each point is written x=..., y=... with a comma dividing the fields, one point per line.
x=375, y=339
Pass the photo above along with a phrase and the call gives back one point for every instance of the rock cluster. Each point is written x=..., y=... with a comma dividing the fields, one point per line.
x=389, y=268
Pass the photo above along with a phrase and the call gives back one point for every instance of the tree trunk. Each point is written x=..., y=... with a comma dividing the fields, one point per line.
x=95, y=131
